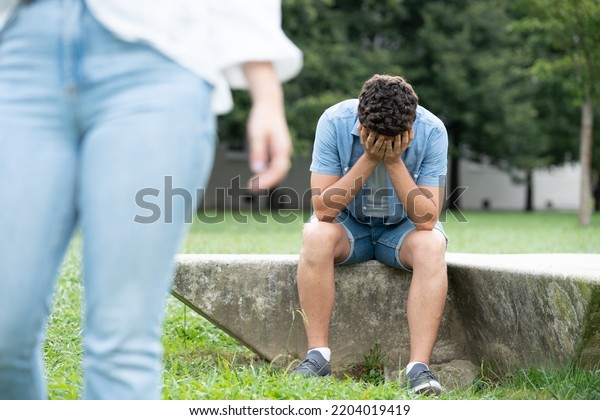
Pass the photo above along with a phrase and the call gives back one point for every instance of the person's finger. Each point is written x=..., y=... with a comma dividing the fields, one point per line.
x=363, y=135
x=258, y=153
x=279, y=162
x=381, y=144
x=385, y=147
x=372, y=138
x=395, y=146
x=272, y=176
x=403, y=140
x=408, y=138
x=363, y=132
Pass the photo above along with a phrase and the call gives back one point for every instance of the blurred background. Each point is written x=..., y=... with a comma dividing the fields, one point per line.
x=515, y=83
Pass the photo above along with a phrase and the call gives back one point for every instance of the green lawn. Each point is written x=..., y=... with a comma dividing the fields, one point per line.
x=514, y=233
x=201, y=362
x=489, y=232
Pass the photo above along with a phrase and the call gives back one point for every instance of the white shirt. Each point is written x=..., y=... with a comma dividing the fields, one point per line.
x=212, y=38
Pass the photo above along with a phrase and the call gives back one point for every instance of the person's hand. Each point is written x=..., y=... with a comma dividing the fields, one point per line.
x=397, y=146
x=268, y=134
x=374, y=145
x=270, y=146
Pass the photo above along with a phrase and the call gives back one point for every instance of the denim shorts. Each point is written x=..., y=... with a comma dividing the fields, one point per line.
x=377, y=240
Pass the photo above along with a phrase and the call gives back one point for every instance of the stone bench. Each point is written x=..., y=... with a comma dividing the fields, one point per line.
x=506, y=310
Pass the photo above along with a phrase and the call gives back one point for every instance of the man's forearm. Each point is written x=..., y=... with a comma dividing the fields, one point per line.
x=330, y=202
x=418, y=202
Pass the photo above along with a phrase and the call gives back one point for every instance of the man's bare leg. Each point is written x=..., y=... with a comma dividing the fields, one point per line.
x=424, y=252
x=323, y=243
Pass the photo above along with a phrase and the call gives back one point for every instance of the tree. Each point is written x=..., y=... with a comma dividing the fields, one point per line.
x=469, y=60
x=570, y=29
x=344, y=42
x=462, y=61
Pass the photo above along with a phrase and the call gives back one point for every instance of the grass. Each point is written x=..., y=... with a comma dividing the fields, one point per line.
x=202, y=362
x=515, y=233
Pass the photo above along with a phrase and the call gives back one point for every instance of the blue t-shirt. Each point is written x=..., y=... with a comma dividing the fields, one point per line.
x=337, y=148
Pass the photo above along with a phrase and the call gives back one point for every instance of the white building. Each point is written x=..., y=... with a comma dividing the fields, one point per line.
x=553, y=188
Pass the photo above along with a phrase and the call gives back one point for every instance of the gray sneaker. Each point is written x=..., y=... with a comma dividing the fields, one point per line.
x=420, y=380
x=314, y=365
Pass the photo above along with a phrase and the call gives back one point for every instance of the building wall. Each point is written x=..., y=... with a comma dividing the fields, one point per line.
x=227, y=187
x=555, y=188
x=489, y=188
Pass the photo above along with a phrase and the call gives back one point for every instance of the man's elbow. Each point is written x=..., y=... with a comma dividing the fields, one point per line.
x=326, y=215
x=425, y=226
x=425, y=223
x=326, y=212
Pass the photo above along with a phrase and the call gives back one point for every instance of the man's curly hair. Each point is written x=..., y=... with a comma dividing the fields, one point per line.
x=387, y=105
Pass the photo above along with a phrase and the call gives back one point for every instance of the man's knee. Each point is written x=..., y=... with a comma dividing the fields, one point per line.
x=423, y=246
x=321, y=237
x=317, y=232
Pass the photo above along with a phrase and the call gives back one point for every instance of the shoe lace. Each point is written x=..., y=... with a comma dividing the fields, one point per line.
x=312, y=363
x=425, y=374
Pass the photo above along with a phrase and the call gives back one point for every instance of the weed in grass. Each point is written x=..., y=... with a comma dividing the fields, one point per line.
x=287, y=357
x=371, y=370
x=375, y=364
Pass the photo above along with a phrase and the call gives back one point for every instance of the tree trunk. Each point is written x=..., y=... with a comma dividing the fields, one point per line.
x=597, y=192
x=585, y=160
x=529, y=191
x=454, y=184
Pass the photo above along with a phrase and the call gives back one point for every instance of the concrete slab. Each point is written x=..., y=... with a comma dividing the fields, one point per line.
x=254, y=298
x=522, y=310
x=581, y=266
x=506, y=310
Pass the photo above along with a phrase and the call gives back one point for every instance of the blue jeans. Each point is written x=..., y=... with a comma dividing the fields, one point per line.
x=86, y=122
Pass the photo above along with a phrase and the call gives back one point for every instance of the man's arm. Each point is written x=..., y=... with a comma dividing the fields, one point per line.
x=422, y=203
x=331, y=194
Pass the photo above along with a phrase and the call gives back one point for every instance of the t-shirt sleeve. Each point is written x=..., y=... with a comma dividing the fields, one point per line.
x=325, y=157
x=435, y=164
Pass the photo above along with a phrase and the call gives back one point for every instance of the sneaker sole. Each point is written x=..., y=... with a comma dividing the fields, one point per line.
x=427, y=388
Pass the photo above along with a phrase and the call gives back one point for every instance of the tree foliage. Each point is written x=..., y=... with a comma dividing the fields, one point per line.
x=568, y=32
x=506, y=77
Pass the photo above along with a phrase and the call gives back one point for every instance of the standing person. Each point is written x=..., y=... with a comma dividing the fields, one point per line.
x=100, y=99
x=378, y=176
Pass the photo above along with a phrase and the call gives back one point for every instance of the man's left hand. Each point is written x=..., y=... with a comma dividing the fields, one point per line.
x=397, y=146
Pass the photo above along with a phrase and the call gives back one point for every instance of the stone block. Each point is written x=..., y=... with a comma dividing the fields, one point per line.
x=508, y=311
x=522, y=310
x=254, y=298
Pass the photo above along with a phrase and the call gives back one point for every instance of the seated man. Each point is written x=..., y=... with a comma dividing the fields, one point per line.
x=378, y=176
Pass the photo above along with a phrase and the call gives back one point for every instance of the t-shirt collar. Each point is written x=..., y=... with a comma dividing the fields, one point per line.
x=354, y=131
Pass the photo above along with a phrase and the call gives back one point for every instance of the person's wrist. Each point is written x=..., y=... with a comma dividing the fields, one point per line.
x=393, y=163
x=373, y=159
